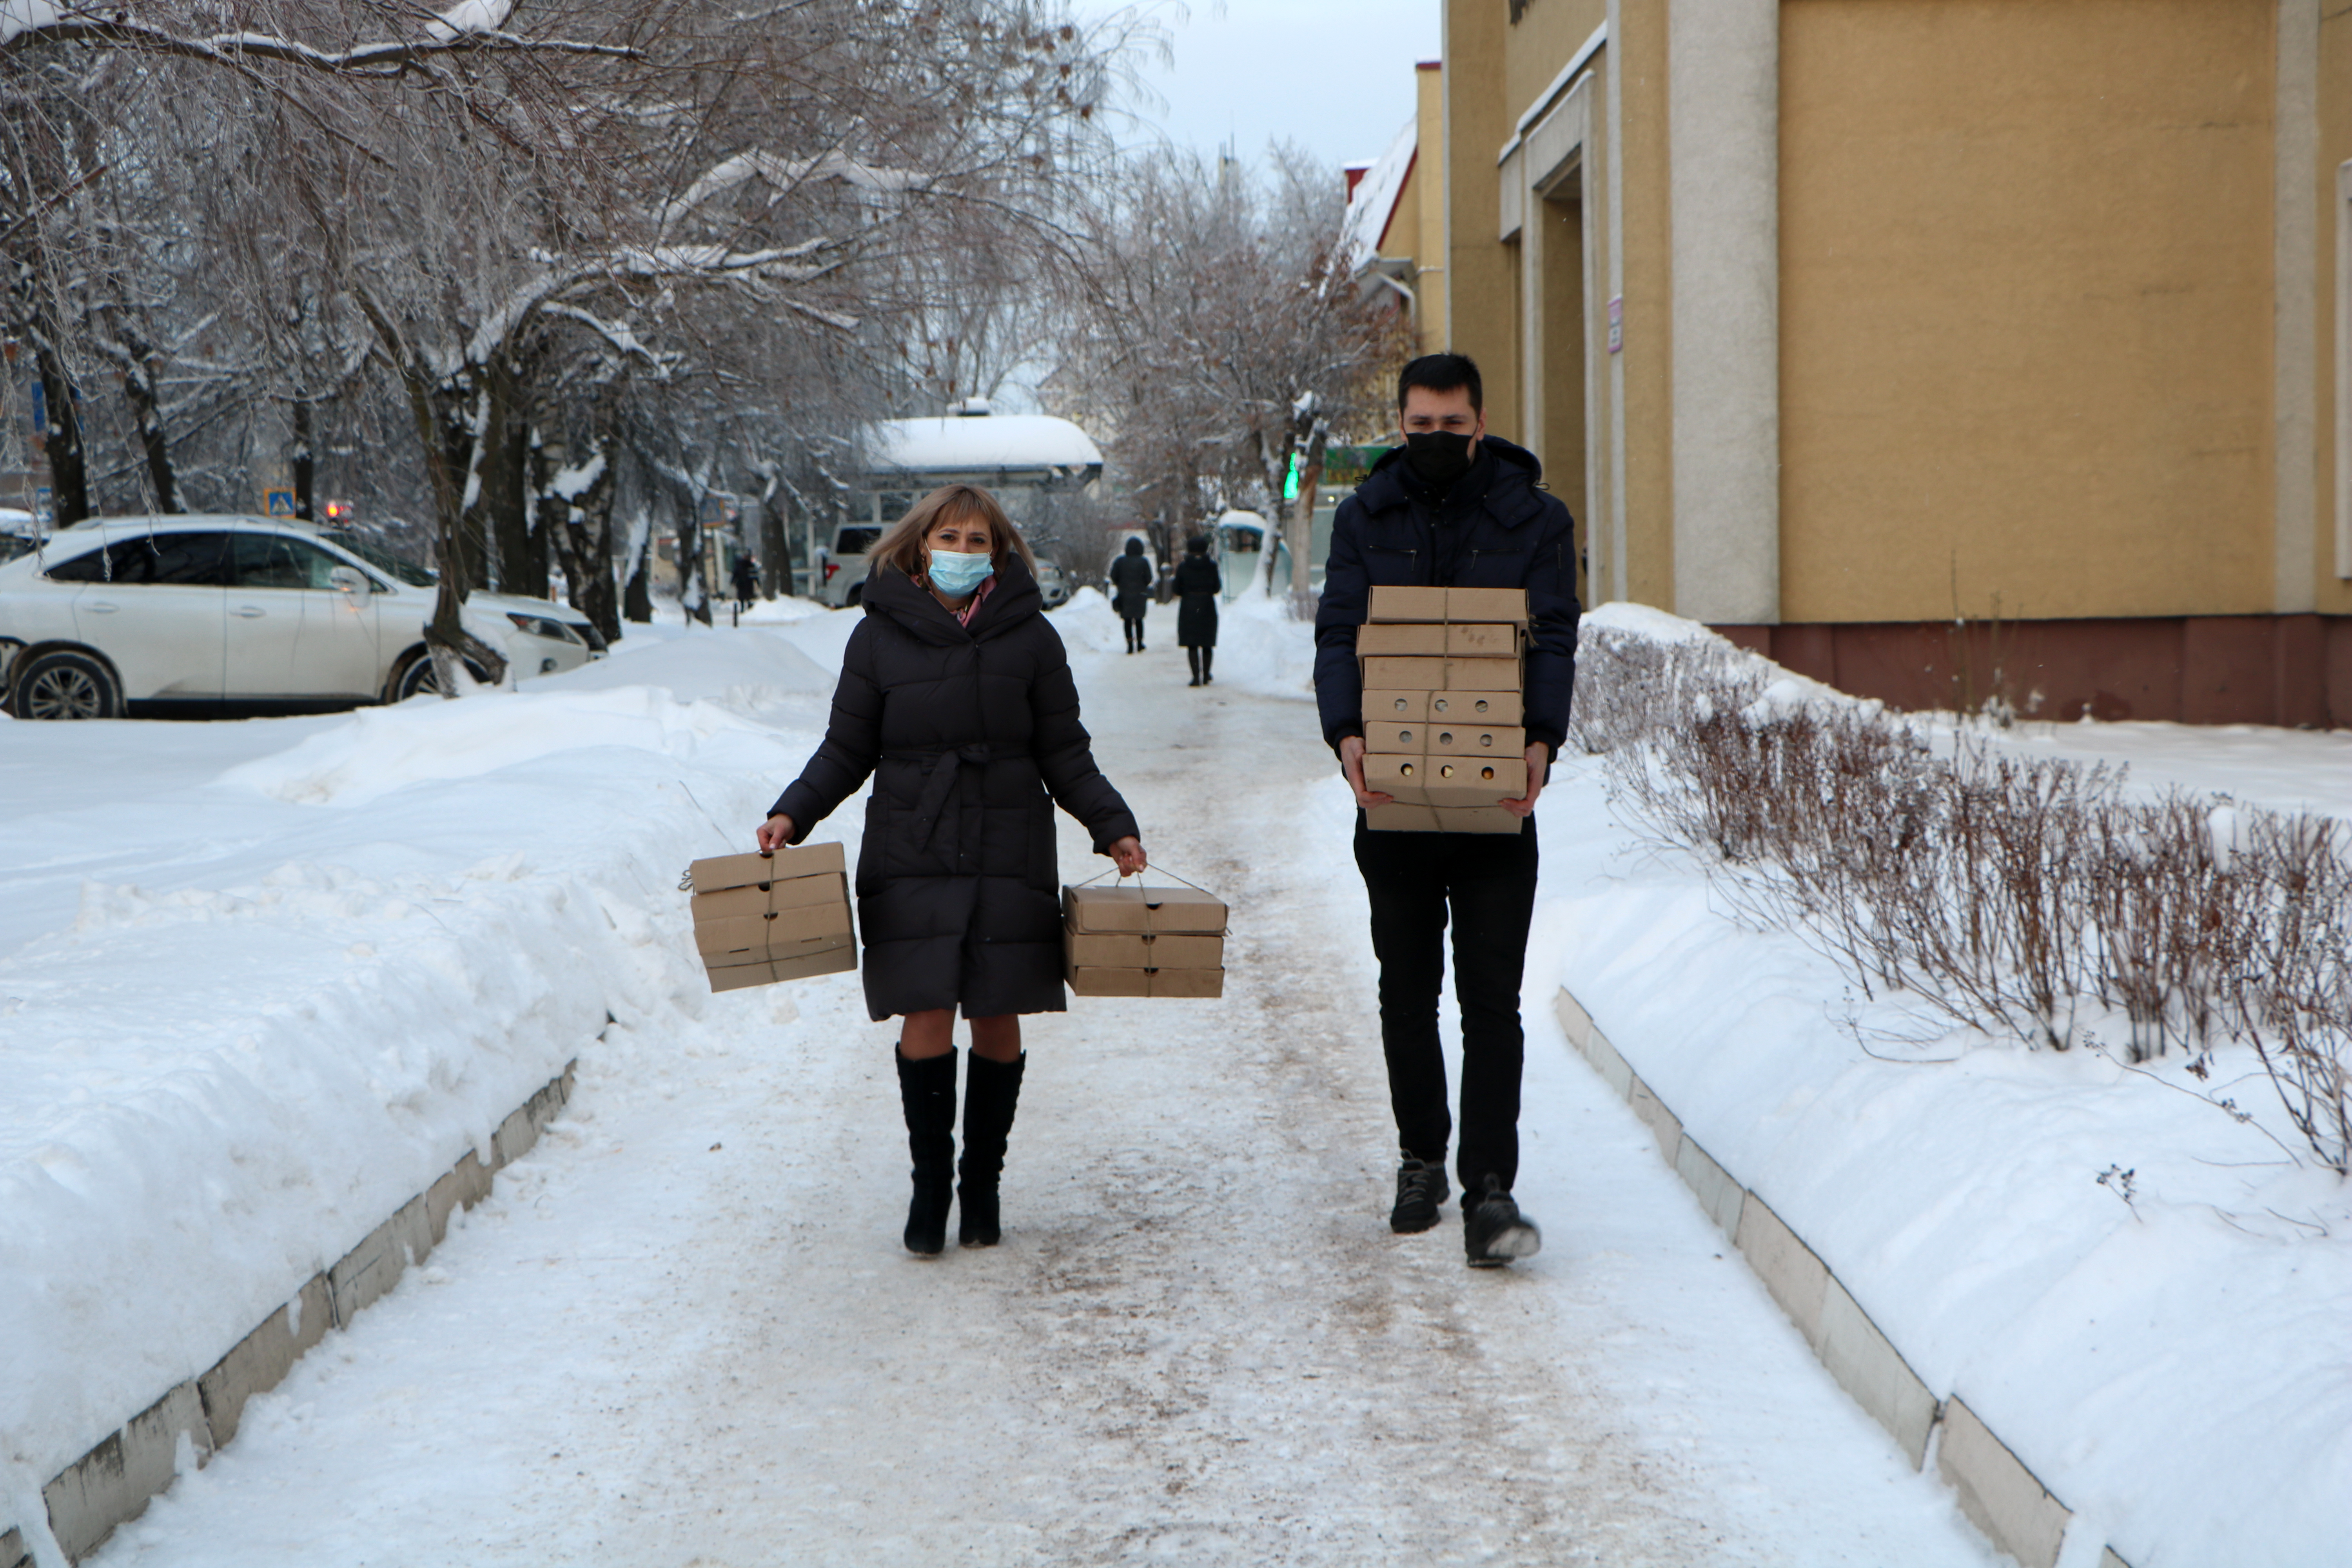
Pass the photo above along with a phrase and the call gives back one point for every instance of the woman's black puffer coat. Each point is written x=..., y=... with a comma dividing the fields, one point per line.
x=1196, y=620
x=965, y=731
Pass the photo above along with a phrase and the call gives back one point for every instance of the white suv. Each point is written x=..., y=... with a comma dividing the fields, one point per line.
x=181, y=613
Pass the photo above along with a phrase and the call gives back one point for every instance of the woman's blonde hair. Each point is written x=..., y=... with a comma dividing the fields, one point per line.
x=902, y=546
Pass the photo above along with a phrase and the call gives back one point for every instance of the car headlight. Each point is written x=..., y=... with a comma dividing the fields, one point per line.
x=546, y=626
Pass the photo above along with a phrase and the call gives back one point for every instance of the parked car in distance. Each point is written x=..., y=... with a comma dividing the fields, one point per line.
x=842, y=566
x=1054, y=583
x=190, y=614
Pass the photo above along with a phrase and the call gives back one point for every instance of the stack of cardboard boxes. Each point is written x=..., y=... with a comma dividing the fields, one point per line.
x=1442, y=713
x=759, y=919
x=1143, y=942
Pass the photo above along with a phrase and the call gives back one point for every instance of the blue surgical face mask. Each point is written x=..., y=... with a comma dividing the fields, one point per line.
x=956, y=575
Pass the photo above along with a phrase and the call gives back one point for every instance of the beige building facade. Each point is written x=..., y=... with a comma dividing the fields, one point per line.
x=1944, y=350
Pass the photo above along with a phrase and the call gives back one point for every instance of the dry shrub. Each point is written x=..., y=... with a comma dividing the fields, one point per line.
x=2007, y=893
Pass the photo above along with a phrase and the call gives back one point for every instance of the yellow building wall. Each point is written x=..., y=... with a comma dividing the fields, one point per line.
x=1648, y=353
x=2335, y=594
x=2025, y=308
x=1428, y=237
x=1482, y=274
x=1545, y=38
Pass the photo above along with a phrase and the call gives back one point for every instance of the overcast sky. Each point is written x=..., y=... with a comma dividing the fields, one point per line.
x=1335, y=75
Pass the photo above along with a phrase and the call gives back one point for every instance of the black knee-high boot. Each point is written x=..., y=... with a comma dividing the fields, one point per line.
x=990, y=1094
x=926, y=1090
x=1208, y=665
x=1192, y=658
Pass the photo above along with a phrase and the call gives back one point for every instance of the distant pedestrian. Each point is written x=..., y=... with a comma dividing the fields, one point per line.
x=1130, y=591
x=956, y=698
x=747, y=581
x=1197, y=587
x=1453, y=507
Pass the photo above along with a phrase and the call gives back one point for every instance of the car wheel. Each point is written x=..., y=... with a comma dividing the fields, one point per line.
x=67, y=686
x=417, y=678
x=856, y=592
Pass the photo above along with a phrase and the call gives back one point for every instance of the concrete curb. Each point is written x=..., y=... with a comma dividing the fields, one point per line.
x=109, y=1485
x=1997, y=1493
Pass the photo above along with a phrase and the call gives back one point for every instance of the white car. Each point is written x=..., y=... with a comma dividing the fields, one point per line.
x=182, y=613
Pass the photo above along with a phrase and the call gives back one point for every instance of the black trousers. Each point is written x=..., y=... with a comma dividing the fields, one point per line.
x=1487, y=883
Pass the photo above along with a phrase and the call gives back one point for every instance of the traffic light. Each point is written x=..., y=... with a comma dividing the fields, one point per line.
x=339, y=513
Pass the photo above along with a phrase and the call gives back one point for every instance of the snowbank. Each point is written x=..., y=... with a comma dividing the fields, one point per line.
x=330, y=968
x=2164, y=1349
x=1260, y=648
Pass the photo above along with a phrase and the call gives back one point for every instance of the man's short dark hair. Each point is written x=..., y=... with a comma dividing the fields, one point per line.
x=1442, y=373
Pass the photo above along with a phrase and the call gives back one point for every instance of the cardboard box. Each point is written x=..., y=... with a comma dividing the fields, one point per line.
x=1143, y=950
x=1473, y=740
x=1401, y=817
x=1182, y=910
x=1402, y=776
x=1479, y=641
x=1397, y=740
x=1398, y=673
x=782, y=933
x=790, y=893
x=723, y=872
x=1481, y=675
x=1414, y=605
x=1477, y=707
x=1477, y=819
x=1194, y=984
x=759, y=918
x=1427, y=638
x=837, y=961
x=1396, y=707
x=1506, y=604
x=1471, y=781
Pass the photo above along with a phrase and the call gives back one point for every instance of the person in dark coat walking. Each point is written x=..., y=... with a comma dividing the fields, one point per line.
x=1454, y=507
x=747, y=582
x=1130, y=591
x=956, y=696
x=1197, y=587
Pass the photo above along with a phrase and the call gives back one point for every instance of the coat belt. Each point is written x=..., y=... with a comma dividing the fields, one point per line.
x=947, y=765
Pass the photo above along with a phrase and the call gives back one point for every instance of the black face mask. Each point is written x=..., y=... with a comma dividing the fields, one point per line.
x=1439, y=457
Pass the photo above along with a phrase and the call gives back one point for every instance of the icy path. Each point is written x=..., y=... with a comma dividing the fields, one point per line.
x=684, y=1331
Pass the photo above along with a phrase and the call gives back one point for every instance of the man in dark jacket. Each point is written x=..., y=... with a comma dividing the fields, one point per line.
x=1453, y=507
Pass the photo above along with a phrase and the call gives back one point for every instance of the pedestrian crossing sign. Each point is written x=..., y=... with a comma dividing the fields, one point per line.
x=279, y=503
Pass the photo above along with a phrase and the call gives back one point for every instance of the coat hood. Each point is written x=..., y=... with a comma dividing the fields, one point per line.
x=891, y=593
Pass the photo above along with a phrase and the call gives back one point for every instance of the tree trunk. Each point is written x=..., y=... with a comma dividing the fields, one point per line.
x=575, y=515
x=304, y=462
x=444, y=425
x=68, y=460
x=138, y=364
x=692, y=596
x=775, y=542
x=637, y=593
x=501, y=510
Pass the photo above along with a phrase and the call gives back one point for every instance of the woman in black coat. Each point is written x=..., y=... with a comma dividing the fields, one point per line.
x=1198, y=586
x=1130, y=592
x=956, y=696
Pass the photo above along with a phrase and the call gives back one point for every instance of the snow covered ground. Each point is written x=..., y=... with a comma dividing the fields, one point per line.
x=261, y=981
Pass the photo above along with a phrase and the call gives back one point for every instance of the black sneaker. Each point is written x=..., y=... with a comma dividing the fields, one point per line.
x=1421, y=1190
x=1494, y=1231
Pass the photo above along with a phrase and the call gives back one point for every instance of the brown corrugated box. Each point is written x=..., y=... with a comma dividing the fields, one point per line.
x=1446, y=780
x=1445, y=740
x=1126, y=940
x=759, y=918
x=1404, y=818
x=1410, y=604
x=1472, y=707
x=1427, y=638
x=1396, y=707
